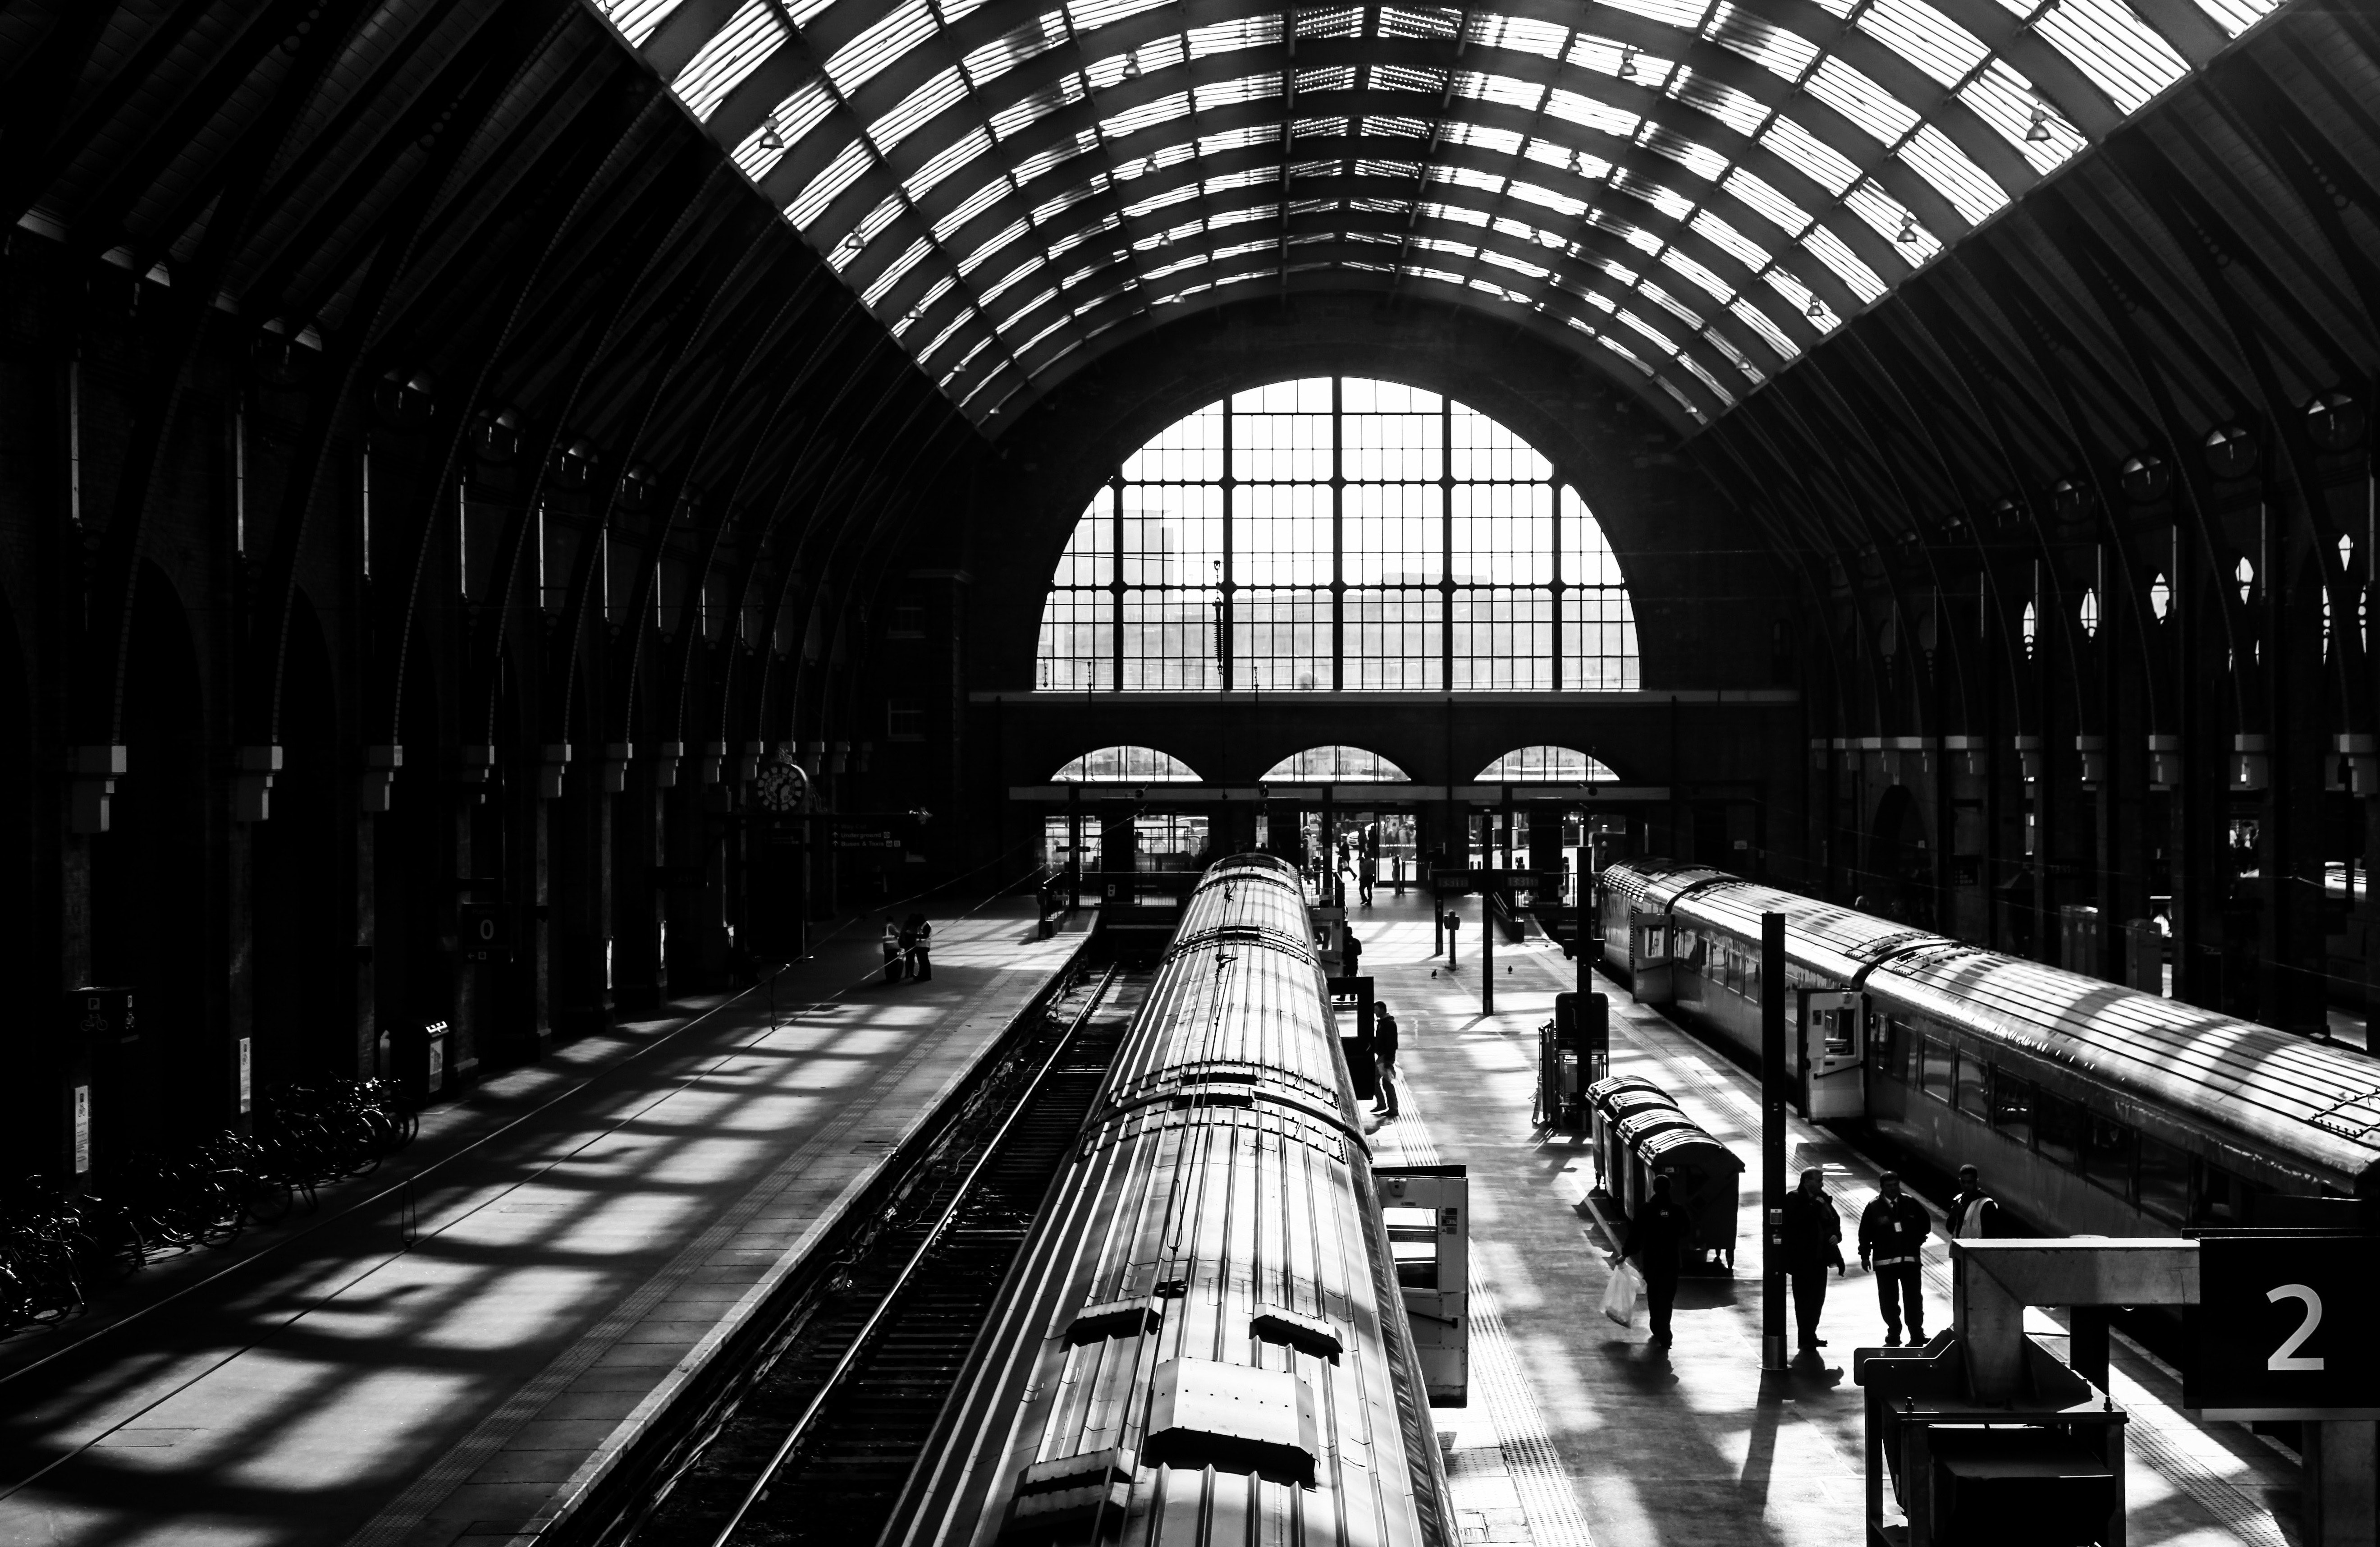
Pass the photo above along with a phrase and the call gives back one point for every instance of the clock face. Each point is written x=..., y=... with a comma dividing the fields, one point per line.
x=781, y=786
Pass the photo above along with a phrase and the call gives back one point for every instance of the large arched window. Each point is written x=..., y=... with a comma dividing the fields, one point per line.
x=1545, y=766
x=1125, y=765
x=1335, y=765
x=1337, y=534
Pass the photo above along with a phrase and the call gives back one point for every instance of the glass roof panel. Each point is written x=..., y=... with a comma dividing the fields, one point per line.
x=2236, y=17
x=2108, y=42
x=729, y=56
x=1925, y=37
x=1543, y=92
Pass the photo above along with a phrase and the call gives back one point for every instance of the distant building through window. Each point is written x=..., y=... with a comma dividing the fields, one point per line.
x=1545, y=766
x=1337, y=534
x=1125, y=765
x=1335, y=765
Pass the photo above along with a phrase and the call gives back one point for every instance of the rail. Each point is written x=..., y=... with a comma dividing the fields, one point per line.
x=878, y=1318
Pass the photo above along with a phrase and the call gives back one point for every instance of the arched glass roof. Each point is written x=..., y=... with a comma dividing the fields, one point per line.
x=1126, y=766
x=1337, y=765
x=1545, y=766
x=1691, y=191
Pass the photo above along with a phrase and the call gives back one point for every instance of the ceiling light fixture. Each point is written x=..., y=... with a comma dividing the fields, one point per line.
x=2037, y=132
x=770, y=138
x=1628, y=63
x=1816, y=311
x=1908, y=227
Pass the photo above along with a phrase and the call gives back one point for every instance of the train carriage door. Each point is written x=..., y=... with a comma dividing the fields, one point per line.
x=1428, y=1212
x=1651, y=948
x=1833, y=1039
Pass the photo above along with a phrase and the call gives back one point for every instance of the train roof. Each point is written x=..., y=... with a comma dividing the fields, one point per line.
x=2290, y=1099
x=2302, y=1105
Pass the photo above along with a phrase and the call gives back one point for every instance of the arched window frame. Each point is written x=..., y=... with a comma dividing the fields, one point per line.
x=1381, y=559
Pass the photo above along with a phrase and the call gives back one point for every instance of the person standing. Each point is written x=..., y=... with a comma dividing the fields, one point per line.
x=1813, y=1242
x=1974, y=1213
x=1351, y=953
x=1657, y=1236
x=1891, y=1234
x=917, y=944
x=893, y=950
x=1384, y=1062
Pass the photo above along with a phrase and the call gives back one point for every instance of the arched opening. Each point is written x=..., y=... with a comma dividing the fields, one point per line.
x=1335, y=765
x=1545, y=765
x=305, y=989
x=151, y=919
x=1337, y=533
x=1125, y=765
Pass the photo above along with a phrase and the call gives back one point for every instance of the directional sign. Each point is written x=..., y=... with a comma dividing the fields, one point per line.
x=486, y=930
x=2283, y=1327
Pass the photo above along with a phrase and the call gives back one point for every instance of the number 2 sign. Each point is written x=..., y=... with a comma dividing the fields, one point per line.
x=2281, y=1329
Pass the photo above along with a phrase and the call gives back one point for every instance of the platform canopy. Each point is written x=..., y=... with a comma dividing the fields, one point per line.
x=1689, y=192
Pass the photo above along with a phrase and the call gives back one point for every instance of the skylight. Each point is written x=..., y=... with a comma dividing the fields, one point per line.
x=1700, y=221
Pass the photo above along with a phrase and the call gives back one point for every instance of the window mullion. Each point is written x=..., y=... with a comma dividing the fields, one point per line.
x=1338, y=547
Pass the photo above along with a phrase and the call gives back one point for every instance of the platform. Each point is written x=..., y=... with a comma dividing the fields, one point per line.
x=1577, y=1430
x=454, y=1361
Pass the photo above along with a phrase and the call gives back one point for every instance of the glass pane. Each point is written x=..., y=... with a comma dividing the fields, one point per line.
x=1935, y=1076
x=1393, y=639
x=1974, y=1076
x=2012, y=1107
x=1503, y=640
x=1503, y=534
x=2057, y=1129
x=1393, y=534
x=1172, y=534
x=1077, y=650
x=1281, y=535
x=1169, y=640
x=1280, y=640
x=2164, y=1180
x=2107, y=1160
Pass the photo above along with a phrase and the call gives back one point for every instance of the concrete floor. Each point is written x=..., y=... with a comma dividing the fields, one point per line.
x=1577, y=1430
x=626, y=1202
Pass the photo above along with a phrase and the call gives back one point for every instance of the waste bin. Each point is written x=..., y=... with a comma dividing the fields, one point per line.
x=416, y=1060
x=1640, y=1133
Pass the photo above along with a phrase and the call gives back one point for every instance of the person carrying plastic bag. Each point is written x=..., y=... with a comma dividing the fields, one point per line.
x=1620, y=1293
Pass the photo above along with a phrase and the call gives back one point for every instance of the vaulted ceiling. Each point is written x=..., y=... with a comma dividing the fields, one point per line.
x=1692, y=192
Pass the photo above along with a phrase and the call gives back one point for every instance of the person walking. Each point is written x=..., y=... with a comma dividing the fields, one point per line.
x=1813, y=1242
x=918, y=946
x=1384, y=1062
x=1657, y=1236
x=1974, y=1213
x=1892, y=1231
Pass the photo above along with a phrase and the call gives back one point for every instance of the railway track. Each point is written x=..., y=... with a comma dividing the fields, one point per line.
x=812, y=1443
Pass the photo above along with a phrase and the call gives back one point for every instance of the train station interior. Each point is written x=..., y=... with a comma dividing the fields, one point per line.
x=1030, y=771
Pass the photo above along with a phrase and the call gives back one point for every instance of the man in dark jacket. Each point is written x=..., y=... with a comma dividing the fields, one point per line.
x=1656, y=1237
x=1892, y=1232
x=1384, y=1061
x=1813, y=1242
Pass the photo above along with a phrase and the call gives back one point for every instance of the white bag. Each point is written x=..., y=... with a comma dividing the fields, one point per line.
x=1619, y=1295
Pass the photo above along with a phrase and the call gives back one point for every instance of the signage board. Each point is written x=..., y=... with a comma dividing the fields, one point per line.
x=82, y=1129
x=2282, y=1327
x=247, y=1066
x=487, y=931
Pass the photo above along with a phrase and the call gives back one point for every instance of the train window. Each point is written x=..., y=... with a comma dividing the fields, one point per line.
x=1974, y=1078
x=1734, y=966
x=2164, y=1180
x=1752, y=975
x=1883, y=1044
x=2058, y=1129
x=1935, y=1076
x=2012, y=1107
x=2108, y=1159
x=2222, y=1198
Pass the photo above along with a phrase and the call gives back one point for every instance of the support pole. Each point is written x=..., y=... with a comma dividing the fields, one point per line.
x=1775, y=1089
x=1487, y=951
x=1075, y=848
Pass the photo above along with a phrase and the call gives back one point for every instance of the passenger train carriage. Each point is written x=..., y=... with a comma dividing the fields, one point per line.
x=1203, y=1340
x=2090, y=1108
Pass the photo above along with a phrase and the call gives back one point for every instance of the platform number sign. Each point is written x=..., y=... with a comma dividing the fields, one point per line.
x=2280, y=1330
x=487, y=931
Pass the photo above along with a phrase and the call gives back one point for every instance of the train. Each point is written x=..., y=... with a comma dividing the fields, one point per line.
x=1204, y=1339
x=2089, y=1108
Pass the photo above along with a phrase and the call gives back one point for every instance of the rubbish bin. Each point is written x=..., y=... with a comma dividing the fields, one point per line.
x=416, y=1060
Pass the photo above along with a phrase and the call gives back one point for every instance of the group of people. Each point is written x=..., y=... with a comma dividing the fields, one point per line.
x=1892, y=1233
x=908, y=949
